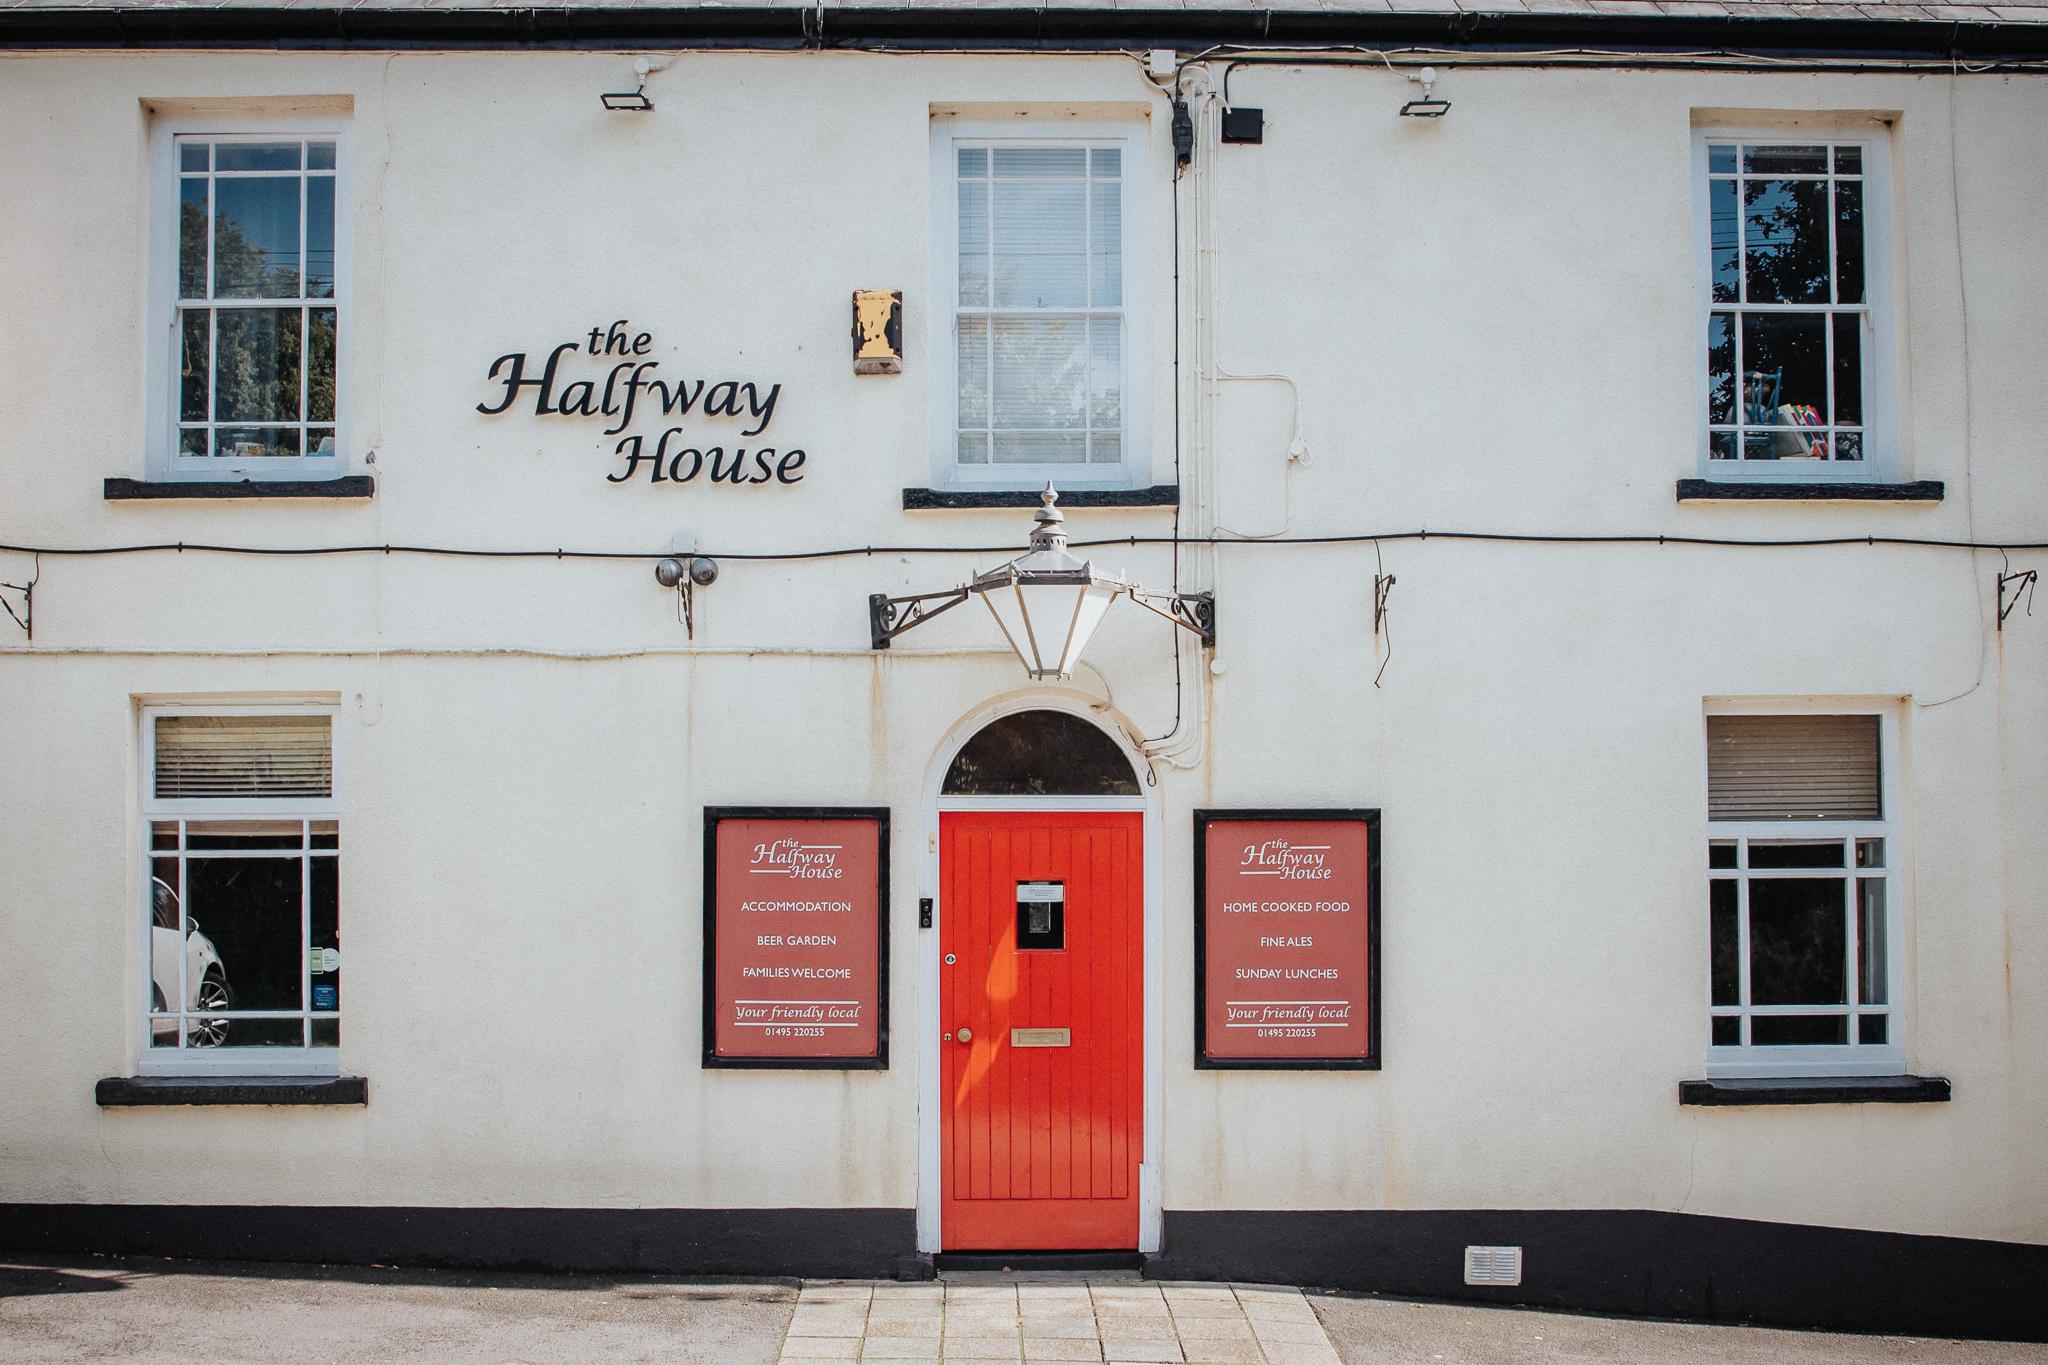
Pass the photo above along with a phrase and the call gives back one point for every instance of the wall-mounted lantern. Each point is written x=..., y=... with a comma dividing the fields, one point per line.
x=1047, y=603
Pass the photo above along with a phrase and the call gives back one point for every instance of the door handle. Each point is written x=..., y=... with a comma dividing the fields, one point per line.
x=967, y=1035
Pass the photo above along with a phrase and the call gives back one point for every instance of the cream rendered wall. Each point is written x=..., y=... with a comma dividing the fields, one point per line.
x=1490, y=322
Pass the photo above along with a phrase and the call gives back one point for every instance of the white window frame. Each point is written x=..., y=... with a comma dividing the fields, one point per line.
x=226, y=1060
x=1851, y=1058
x=164, y=460
x=1881, y=462
x=1131, y=136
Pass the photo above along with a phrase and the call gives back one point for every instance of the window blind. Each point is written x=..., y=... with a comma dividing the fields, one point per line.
x=244, y=756
x=1792, y=768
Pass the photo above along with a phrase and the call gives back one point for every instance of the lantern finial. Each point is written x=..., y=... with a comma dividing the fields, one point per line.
x=1050, y=532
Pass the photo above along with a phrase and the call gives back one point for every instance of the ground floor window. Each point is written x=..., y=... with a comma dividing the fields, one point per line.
x=243, y=894
x=1802, y=910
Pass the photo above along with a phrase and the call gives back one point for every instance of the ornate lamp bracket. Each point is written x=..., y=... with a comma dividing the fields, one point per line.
x=1195, y=611
x=889, y=617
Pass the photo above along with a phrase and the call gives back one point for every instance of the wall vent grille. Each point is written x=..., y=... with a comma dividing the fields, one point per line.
x=1493, y=1265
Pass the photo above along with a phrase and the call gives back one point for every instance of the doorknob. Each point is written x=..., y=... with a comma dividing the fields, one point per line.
x=967, y=1035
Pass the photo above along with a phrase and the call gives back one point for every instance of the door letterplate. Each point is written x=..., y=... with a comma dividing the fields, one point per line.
x=1041, y=1037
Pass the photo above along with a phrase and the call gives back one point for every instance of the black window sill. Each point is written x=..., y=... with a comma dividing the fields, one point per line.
x=1818, y=1090
x=929, y=499
x=351, y=486
x=1785, y=490
x=126, y=1091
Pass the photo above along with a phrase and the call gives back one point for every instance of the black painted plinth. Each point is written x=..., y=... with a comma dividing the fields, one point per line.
x=1637, y=1262
x=127, y=1091
x=943, y=499
x=352, y=486
x=858, y=1243
x=1785, y=490
x=1818, y=1090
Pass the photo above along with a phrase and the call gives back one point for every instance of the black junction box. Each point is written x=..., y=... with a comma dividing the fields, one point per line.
x=1244, y=125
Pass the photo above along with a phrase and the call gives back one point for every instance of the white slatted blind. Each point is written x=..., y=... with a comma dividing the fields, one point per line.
x=1792, y=768
x=243, y=756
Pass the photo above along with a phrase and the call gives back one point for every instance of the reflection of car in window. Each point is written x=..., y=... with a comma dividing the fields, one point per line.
x=206, y=977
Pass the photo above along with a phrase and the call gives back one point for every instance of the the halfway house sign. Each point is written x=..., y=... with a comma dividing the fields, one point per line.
x=623, y=387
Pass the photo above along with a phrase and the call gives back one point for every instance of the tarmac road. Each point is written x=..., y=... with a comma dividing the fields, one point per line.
x=146, y=1310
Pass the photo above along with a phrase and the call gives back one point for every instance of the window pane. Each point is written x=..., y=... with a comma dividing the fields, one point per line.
x=973, y=362
x=1726, y=248
x=1794, y=1030
x=256, y=237
x=257, y=364
x=163, y=834
x=973, y=161
x=1848, y=369
x=1848, y=446
x=1721, y=158
x=973, y=447
x=1106, y=163
x=1008, y=757
x=1849, y=241
x=326, y=834
x=327, y=1033
x=1786, y=239
x=1848, y=161
x=1013, y=447
x=1106, y=246
x=255, y=443
x=245, y=835
x=1785, y=378
x=1727, y=1031
x=191, y=238
x=1871, y=1029
x=243, y=917
x=320, y=156
x=1870, y=932
x=1870, y=853
x=192, y=156
x=1721, y=446
x=1721, y=367
x=1726, y=944
x=320, y=364
x=1796, y=941
x=1721, y=853
x=323, y=912
x=1041, y=373
x=1041, y=162
x=1811, y=854
x=256, y=156
x=1105, y=374
x=1786, y=160
x=320, y=237
x=193, y=443
x=195, y=366
x=1041, y=246
x=974, y=246
x=1105, y=449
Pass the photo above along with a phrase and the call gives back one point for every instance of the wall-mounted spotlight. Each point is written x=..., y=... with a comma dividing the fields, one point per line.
x=1426, y=107
x=635, y=100
x=685, y=570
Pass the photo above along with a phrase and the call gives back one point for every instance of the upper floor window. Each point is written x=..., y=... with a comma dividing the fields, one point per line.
x=1038, y=282
x=254, y=260
x=1796, y=314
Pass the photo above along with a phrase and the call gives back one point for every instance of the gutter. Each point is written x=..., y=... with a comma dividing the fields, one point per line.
x=1642, y=39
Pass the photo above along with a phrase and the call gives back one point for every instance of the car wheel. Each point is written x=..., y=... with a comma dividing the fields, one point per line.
x=213, y=994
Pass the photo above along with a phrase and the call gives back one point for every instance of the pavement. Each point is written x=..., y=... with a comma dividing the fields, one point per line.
x=148, y=1310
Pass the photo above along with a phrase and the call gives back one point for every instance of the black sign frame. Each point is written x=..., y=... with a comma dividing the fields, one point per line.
x=1374, y=947
x=713, y=817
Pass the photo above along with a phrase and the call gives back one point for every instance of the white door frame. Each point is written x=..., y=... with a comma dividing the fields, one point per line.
x=929, y=1097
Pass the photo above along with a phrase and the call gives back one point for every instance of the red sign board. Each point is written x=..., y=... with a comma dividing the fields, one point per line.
x=796, y=938
x=1287, y=949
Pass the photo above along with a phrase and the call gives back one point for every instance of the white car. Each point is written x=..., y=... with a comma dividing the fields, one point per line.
x=206, y=979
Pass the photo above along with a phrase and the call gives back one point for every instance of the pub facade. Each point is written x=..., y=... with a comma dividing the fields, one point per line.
x=1382, y=649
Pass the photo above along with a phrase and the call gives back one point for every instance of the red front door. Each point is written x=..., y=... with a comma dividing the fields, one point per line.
x=1041, y=1017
